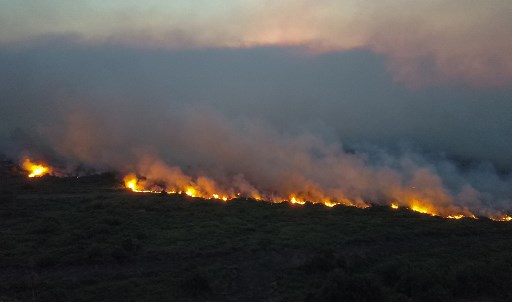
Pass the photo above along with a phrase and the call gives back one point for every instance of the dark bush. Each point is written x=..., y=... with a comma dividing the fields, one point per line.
x=483, y=280
x=341, y=287
x=318, y=263
x=120, y=255
x=46, y=225
x=196, y=286
x=97, y=253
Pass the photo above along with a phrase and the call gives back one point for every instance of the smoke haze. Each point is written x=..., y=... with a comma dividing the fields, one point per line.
x=263, y=122
x=423, y=42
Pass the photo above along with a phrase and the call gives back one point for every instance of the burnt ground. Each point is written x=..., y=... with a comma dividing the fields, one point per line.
x=87, y=239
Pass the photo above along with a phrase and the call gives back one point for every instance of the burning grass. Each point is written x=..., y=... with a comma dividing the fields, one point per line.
x=36, y=169
x=85, y=239
x=81, y=239
x=135, y=184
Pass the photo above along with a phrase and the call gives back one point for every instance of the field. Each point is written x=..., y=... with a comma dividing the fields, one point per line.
x=88, y=239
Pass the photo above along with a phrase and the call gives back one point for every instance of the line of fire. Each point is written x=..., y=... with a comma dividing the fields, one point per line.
x=140, y=184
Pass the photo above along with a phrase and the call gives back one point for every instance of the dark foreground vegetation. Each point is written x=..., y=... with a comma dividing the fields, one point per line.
x=86, y=239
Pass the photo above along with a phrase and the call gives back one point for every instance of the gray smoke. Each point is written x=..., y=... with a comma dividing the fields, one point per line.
x=259, y=120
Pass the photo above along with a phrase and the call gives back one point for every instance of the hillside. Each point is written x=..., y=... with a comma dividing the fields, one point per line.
x=88, y=239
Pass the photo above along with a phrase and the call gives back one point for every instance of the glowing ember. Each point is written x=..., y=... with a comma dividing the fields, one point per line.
x=394, y=206
x=504, y=218
x=459, y=216
x=35, y=170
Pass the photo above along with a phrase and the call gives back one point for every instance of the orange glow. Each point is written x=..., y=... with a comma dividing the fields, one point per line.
x=459, y=216
x=191, y=192
x=133, y=183
x=195, y=189
x=34, y=169
x=130, y=182
x=294, y=200
x=329, y=203
x=422, y=209
x=503, y=218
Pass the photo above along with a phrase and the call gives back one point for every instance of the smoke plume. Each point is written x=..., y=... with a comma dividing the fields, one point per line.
x=231, y=122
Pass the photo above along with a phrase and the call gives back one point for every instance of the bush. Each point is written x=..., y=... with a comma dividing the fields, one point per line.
x=46, y=225
x=196, y=286
x=341, y=287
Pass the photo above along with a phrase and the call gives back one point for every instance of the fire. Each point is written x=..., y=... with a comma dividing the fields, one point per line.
x=195, y=189
x=35, y=169
x=217, y=196
x=130, y=181
x=503, y=218
x=191, y=192
x=422, y=209
x=426, y=208
x=294, y=200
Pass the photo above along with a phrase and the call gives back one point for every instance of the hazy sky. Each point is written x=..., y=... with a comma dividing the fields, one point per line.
x=346, y=98
x=422, y=41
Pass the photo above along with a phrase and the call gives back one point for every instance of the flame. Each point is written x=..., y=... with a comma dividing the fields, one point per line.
x=195, y=189
x=191, y=192
x=420, y=208
x=217, y=196
x=130, y=181
x=503, y=218
x=35, y=169
x=294, y=200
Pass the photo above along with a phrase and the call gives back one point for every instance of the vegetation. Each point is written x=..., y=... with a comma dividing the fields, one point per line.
x=87, y=239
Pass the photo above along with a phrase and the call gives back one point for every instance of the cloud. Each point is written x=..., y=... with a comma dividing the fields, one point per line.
x=424, y=42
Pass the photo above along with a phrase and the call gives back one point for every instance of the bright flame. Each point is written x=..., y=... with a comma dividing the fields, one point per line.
x=422, y=209
x=504, y=218
x=197, y=190
x=35, y=170
x=295, y=200
x=191, y=192
x=130, y=181
x=459, y=216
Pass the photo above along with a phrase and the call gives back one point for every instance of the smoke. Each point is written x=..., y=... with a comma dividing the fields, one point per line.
x=262, y=123
x=424, y=42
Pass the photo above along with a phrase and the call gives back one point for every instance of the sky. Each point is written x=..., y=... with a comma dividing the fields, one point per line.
x=423, y=41
x=276, y=93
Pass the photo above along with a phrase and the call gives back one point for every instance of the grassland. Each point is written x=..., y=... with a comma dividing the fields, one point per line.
x=87, y=239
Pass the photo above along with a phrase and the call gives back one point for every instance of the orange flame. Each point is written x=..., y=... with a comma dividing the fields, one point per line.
x=132, y=182
x=35, y=169
x=422, y=208
x=503, y=218
x=458, y=216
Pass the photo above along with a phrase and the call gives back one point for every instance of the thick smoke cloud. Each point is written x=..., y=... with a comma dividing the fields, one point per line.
x=424, y=42
x=260, y=122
